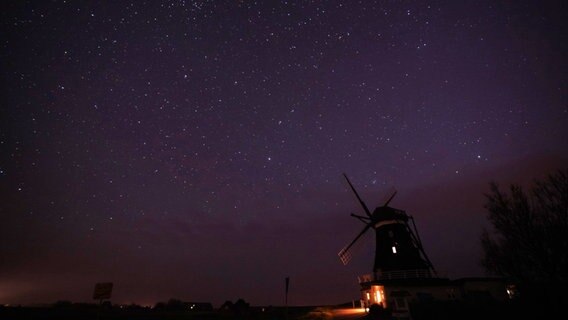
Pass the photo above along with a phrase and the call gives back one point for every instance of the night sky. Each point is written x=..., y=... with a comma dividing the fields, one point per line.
x=195, y=149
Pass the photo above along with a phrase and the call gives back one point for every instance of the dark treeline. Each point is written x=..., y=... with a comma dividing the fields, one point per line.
x=529, y=241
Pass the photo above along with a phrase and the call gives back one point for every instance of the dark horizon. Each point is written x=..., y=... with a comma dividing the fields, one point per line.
x=195, y=150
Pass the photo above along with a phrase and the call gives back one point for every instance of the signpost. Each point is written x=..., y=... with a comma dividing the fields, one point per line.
x=102, y=291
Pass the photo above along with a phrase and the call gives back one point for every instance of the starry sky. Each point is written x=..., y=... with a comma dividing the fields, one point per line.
x=195, y=149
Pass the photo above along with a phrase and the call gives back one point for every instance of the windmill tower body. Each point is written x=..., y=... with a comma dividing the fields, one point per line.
x=396, y=248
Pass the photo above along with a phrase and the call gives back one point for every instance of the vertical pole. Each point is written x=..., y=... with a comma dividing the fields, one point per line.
x=286, y=296
x=100, y=309
x=286, y=291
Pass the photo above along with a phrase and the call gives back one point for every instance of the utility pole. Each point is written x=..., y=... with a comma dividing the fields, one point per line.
x=286, y=296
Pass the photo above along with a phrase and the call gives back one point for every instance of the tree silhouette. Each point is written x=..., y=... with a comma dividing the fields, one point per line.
x=529, y=241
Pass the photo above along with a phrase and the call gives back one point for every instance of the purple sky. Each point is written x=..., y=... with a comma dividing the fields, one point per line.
x=195, y=149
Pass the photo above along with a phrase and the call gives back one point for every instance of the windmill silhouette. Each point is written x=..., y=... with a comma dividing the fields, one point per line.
x=398, y=247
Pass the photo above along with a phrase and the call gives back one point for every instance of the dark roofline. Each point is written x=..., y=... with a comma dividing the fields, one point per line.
x=479, y=279
x=410, y=282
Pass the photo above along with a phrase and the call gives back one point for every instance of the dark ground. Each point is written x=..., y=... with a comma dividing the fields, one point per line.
x=430, y=311
x=114, y=313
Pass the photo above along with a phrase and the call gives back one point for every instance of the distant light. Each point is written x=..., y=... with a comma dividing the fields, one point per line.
x=393, y=249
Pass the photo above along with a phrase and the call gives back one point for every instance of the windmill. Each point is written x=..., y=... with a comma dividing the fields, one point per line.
x=398, y=248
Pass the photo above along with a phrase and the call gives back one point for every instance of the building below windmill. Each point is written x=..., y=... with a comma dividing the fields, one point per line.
x=398, y=290
x=402, y=272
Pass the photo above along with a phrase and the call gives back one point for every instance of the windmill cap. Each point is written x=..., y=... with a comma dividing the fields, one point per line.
x=388, y=213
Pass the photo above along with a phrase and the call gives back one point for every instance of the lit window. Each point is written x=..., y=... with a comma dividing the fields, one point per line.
x=377, y=297
x=393, y=249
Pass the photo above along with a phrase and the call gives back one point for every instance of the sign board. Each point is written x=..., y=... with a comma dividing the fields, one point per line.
x=102, y=291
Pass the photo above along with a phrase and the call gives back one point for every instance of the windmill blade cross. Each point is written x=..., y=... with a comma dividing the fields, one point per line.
x=358, y=198
x=417, y=239
x=365, y=220
x=344, y=254
x=390, y=199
